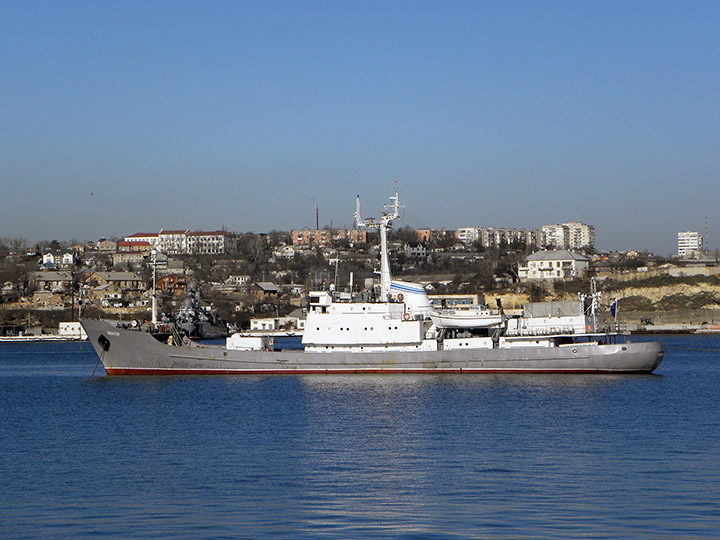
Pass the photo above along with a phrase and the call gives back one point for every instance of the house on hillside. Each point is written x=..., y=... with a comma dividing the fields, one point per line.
x=51, y=281
x=58, y=259
x=128, y=281
x=553, y=265
x=121, y=258
x=105, y=294
x=173, y=283
x=285, y=252
x=47, y=300
x=238, y=280
x=265, y=289
x=415, y=249
x=106, y=246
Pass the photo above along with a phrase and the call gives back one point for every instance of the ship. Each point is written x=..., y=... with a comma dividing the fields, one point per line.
x=196, y=321
x=398, y=332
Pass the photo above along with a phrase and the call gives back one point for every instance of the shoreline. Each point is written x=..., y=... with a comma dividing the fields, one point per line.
x=678, y=329
x=40, y=338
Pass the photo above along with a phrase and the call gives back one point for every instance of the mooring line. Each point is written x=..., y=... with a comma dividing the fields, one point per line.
x=96, y=363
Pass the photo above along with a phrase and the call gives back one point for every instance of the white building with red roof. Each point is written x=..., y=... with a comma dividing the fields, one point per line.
x=179, y=242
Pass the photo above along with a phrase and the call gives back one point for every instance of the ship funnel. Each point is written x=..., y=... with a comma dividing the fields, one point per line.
x=413, y=295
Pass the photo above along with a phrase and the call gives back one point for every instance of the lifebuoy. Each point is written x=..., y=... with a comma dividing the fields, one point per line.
x=406, y=316
x=588, y=328
x=400, y=297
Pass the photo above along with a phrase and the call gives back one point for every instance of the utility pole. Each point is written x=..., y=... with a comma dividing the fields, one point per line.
x=72, y=296
x=154, y=295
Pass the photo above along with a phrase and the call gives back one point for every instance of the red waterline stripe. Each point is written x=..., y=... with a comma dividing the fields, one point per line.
x=143, y=371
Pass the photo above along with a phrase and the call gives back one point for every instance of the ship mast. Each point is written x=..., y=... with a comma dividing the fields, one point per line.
x=382, y=224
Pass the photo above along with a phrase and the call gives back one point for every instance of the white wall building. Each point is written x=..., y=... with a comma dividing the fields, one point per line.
x=554, y=265
x=273, y=324
x=184, y=242
x=207, y=242
x=152, y=239
x=239, y=280
x=285, y=252
x=494, y=236
x=173, y=242
x=58, y=258
x=468, y=235
x=688, y=242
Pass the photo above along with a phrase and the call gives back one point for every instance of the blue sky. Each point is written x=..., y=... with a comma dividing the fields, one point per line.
x=120, y=117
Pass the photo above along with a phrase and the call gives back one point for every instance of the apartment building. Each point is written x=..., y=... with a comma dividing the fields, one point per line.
x=180, y=242
x=689, y=242
x=570, y=235
x=430, y=235
x=325, y=237
x=497, y=236
x=207, y=242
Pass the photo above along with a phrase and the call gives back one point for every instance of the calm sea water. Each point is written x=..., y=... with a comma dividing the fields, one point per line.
x=449, y=456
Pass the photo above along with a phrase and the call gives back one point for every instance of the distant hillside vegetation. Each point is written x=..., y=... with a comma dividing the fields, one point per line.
x=664, y=293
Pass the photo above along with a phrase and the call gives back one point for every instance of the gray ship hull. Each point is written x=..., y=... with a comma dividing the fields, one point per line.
x=127, y=352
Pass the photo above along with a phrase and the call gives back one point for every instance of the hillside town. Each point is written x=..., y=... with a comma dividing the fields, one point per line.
x=262, y=280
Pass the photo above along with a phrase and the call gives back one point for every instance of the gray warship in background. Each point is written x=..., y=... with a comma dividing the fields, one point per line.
x=196, y=321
